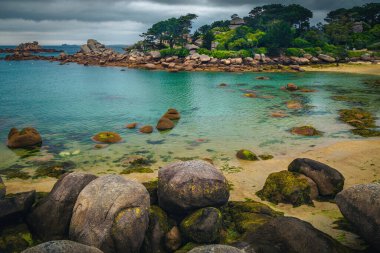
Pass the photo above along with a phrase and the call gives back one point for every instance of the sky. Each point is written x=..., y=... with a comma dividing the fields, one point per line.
x=54, y=22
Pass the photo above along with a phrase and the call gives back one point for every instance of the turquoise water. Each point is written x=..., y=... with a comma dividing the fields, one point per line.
x=69, y=104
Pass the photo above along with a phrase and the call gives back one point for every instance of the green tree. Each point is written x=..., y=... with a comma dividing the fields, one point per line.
x=278, y=36
x=208, y=39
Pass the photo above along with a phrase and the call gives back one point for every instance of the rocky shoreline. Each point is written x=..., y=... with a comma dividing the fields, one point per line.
x=96, y=54
x=186, y=210
x=25, y=49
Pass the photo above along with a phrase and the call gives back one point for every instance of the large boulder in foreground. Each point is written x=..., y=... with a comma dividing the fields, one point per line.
x=216, y=248
x=111, y=213
x=203, y=226
x=50, y=218
x=16, y=205
x=185, y=186
x=292, y=235
x=329, y=181
x=27, y=137
x=360, y=205
x=63, y=246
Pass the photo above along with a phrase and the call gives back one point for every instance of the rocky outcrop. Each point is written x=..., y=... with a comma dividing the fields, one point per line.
x=329, y=180
x=203, y=226
x=360, y=205
x=16, y=205
x=92, y=46
x=291, y=235
x=28, y=47
x=50, y=218
x=111, y=213
x=216, y=248
x=27, y=137
x=185, y=186
x=63, y=246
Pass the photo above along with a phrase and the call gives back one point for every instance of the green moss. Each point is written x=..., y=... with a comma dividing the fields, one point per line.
x=15, y=238
x=266, y=157
x=306, y=131
x=286, y=187
x=230, y=169
x=54, y=169
x=137, y=170
x=366, y=132
x=245, y=154
x=14, y=173
x=344, y=99
x=242, y=218
x=357, y=117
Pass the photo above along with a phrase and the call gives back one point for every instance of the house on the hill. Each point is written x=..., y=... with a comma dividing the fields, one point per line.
x=236, y=22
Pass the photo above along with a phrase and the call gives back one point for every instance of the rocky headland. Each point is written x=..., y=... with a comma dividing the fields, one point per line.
x=96, y=54
x=24, y=49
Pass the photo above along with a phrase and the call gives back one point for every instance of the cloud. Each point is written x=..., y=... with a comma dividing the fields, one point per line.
x=121, y=21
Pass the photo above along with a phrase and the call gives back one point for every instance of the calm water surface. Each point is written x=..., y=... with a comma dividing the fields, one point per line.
x=68, y=104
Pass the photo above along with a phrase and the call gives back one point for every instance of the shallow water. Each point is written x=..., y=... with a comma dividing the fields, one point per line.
x=69, y=104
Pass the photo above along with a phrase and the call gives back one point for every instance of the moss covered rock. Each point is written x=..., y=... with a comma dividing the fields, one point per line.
x=286, y=187
x=366, y=132
x=15, y=238
x=54, y=169
x=266, y=157
x=357, y=117
x=202, y=226
x=157, y=229
x=107, y=137
x=152, y=187
x=245, y=154
x=305, y=131
x=241, y=218
x=27, y=137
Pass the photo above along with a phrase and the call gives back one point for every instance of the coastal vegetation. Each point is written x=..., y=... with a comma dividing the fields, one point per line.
x=273, y=29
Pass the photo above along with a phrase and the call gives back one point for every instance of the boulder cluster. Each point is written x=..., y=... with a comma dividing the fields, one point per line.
x=186, y=210
x=304, y=181
x=24, y=49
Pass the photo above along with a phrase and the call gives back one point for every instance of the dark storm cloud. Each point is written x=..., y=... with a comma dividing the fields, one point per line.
x=118, y=21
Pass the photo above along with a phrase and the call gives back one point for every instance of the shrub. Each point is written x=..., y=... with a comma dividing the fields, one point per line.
x=300, y=43
x=294, y=52
x=374, y=46
x=313, y=50
x=180, y=52
x=356, y=53
x=224, y=54
x=260, y=50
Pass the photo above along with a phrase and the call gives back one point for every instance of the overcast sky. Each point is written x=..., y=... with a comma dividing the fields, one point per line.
x=53, y=22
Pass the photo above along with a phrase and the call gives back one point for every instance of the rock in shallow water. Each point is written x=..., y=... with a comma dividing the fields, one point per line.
x=107, y=137
x=329, y=181
x=50, y=218
x=360, y=205
x=245, y=154
x=185, y=186
x=63, y=246
x=27, y=137
x=111, y=213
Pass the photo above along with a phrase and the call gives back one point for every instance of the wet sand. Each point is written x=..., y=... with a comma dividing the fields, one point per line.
x=354, y=68
x=358, y=161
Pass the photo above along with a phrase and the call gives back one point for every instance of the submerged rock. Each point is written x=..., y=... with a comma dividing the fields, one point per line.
x=292, y=235
x=185, y=186
x=172, y=114
x=329, y=181
x=245, y=154
x=50, y=218
x=202, y=226
x=286, y=187
x=360, y=205
x=111, y=213
x=131, y=125
x=54, y=169
x=291, y=87
x=357, y=117
x=295, y=105
x=146, y=129
x=107, y=137
x=262, y=78
x=63, y=246
x=216, y=248
x=164, y=124
x=305, y=131
x=27, y=137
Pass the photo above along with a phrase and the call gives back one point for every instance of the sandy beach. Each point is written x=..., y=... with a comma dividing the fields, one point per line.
x=354, y=68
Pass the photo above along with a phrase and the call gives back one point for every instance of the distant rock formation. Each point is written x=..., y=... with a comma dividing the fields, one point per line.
x=93, y=46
